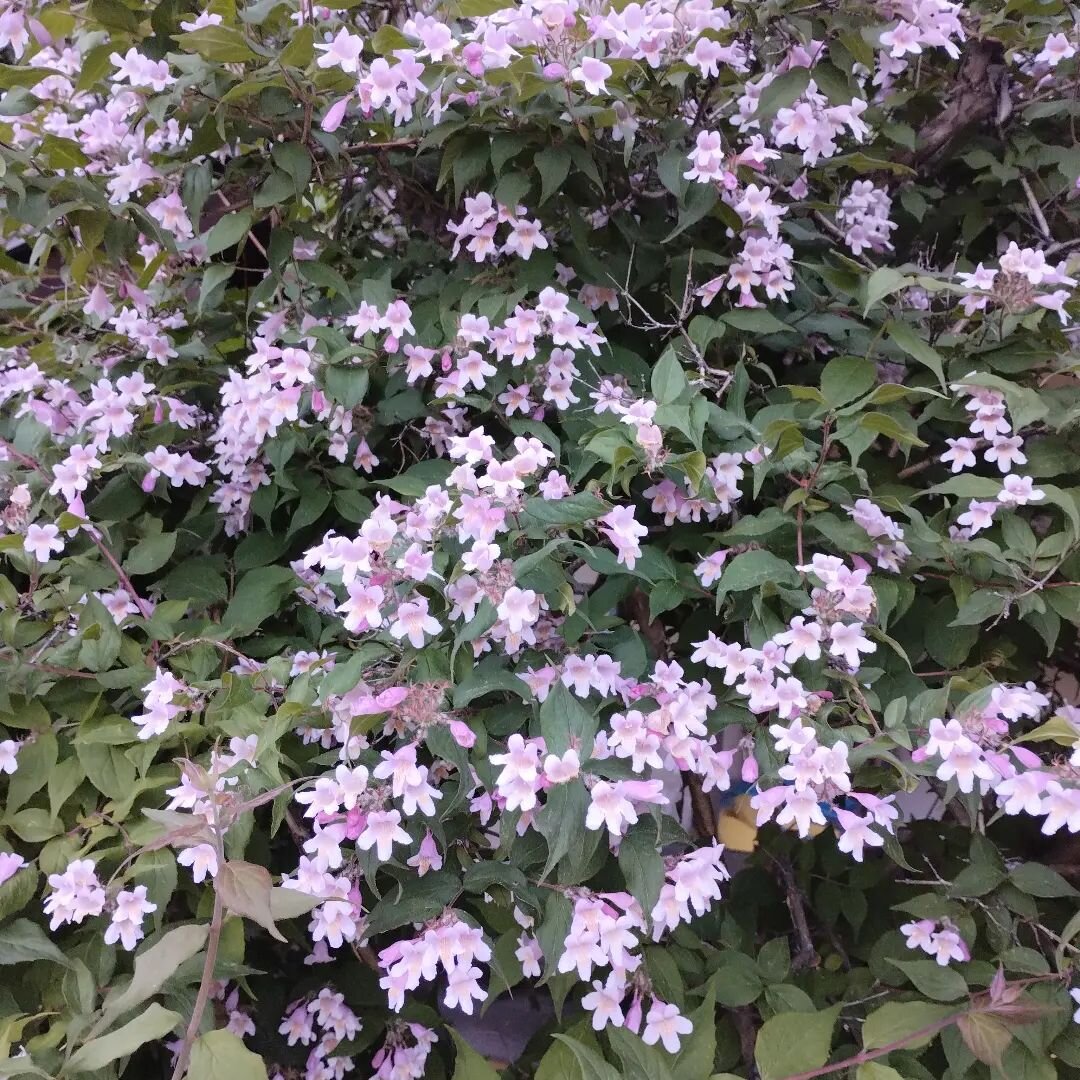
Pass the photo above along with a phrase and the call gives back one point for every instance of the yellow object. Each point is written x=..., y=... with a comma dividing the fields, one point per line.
x=736, y=825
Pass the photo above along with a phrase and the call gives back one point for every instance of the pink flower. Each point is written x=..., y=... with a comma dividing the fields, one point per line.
x=10, y=865
x=462, y=734
x=592, y=73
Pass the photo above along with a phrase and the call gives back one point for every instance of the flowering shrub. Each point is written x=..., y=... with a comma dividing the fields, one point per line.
x=569, y=506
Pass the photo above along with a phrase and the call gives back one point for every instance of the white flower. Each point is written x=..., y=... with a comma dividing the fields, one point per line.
x=413, y=621
x=42, y=541
x=382, y=831
x=203, y=860
x=665, y=1024
x=592, y=73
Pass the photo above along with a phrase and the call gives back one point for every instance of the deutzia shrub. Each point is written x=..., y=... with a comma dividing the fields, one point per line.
x=557, y=517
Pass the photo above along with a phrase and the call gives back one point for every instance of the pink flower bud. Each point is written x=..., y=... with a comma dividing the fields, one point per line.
x=463, y=734
x=749, y=771
x=149, y=480
x=41, y=34
x=335, y=114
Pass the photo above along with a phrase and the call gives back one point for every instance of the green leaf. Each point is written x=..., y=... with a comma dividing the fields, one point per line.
x=425, y=898
x=346, y=385
x=573, y=510
x=874, y=1070
x=668, y=380
x=564, y=722
x=150, y=554
x=245, y=890
x=220, y=1055
x=751, y=569
x=561, y=821
x=37, y=759
x=23, y=942
x=291, y=903
x=883, y=424
x=782, y=92
x=212, y=287
x=641, y=863
x=301, y=49
x=482, y=681
x=902, y=335
x=794, y=1042
x=18, y=891
x=899, y=1020
x=257, y=597
x=387, y=39
x=932, y=980
x=698, y=1050
x=981, y=605
x=881, y=283
x=229, y=230
x=846, y=378
x=101, y=638
x=639, y=1062
x=1034, y=879
x=114, y=15
x=737, y=980
x=553, y=164
x=154, y=966
x=415, y=480
x=592, y=1065
x=754, y=321
x=219, y=43
x=152, y=1023
x=468, y=1064
x=295, y=160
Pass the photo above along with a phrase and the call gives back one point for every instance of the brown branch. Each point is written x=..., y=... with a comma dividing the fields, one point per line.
x=869, y=1055
x=807, y=956
x=206, y=982
x=144, y=608
x=972, y=100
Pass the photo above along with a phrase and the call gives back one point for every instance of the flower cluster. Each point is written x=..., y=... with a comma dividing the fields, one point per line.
x=323, y=1022
x=864, y=216
x=483, y=216
x=435, y=455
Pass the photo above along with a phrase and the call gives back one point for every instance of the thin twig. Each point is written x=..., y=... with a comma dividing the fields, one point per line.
x=145, y=610
x=807, y=956
x=880, y=1051
x=1036, y=209
x=206, y=982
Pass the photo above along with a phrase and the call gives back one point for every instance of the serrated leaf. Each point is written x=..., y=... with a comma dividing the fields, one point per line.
x=899, y=1021
x=245, y=890
x=794, y=1042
